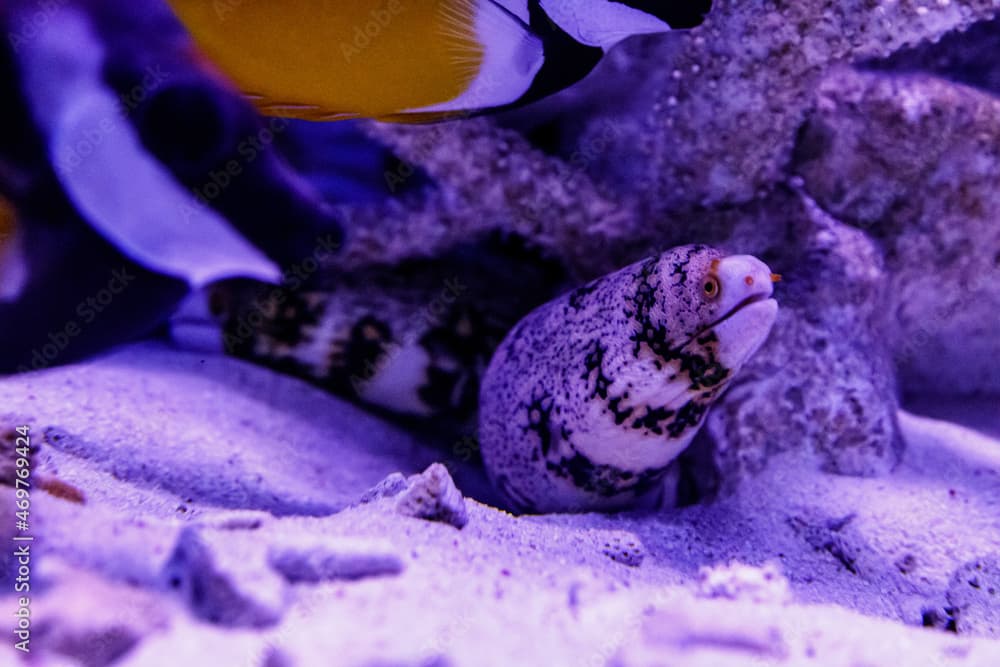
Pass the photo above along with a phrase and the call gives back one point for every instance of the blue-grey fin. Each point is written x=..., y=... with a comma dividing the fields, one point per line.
x=148, y=215
x=122, y=191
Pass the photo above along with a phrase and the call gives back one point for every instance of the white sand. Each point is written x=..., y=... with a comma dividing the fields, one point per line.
x=244, y=464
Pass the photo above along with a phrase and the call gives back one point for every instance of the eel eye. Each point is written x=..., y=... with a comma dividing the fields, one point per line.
x=711, y=287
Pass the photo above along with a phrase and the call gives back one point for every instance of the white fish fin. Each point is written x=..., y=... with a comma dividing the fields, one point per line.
x=518, y=8
x=118, y=187
x=147, y=215
x=601, y=23
x=511, y=57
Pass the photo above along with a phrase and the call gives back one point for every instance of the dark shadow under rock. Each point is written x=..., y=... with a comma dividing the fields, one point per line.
x=965, y=56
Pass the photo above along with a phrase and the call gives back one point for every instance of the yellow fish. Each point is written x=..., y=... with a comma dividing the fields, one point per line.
x=416, y=59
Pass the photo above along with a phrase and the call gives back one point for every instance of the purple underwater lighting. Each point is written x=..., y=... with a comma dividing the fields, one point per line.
x=494, y=332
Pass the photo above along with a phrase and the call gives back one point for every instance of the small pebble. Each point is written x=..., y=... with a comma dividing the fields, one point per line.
x=432, y=495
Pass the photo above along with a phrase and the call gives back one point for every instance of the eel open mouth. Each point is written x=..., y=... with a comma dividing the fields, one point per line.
x=750, y=300
x=760, y=297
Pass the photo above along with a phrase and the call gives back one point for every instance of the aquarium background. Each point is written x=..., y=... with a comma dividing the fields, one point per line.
x=840, y=505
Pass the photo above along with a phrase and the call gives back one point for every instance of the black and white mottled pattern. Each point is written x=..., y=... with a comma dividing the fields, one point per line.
x=411, y=339
x=591, y=396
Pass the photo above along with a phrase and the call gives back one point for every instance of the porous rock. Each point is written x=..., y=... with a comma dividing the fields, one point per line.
x=914, y=161
x=624, y=548
x=829, y=536
x=822, y=384
x=390, y=487
x=317, y=558
x=974, y=596
x=432, y=495
x=736, y=581
x=713, y=122
x=730, y=95
x=224, y=578
x=964, y=56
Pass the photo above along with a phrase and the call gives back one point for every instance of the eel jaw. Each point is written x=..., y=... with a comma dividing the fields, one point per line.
x=744, y=329
x=749, y=301
x=749, y=311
